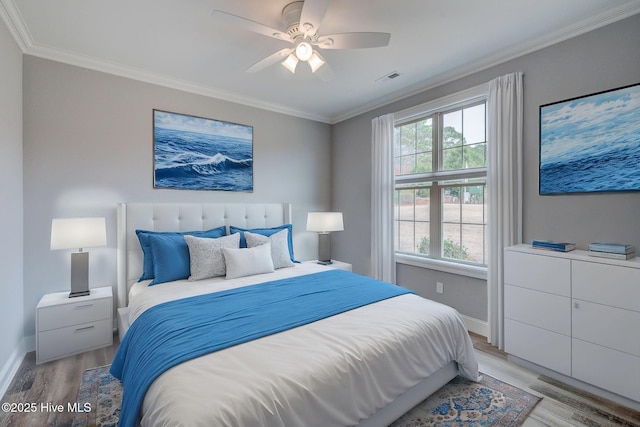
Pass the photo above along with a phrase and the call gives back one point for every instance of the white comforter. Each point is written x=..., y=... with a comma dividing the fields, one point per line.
x=333, y=372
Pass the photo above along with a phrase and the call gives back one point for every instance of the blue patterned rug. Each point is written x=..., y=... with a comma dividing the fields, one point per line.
x=103, y=393
x=460, y=403
x=464, y=403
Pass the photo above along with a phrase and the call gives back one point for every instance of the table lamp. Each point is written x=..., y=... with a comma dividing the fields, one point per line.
x=324, y=223
x=78, y=233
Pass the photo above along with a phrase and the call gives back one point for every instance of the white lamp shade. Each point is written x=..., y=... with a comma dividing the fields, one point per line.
x=78, y=233
x=324, y=222
x=290, y=63
x=315, y=62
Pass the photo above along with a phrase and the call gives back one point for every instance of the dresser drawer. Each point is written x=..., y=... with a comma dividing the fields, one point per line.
x=607, y=326
x=57, y=343
x=540, y=346
x=63, y=315
x=538, y=272
x=607, y=284
x=606, y=368
x=541, y=309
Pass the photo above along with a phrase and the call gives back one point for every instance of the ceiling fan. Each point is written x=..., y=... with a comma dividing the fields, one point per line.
x=301, y=21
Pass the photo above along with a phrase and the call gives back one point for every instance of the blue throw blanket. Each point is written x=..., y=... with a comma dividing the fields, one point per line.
x=176, y=331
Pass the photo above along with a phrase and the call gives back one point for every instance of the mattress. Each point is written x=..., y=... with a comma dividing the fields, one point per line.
x=332, y=372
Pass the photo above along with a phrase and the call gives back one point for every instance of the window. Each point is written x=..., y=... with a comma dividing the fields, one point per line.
x=440, y=201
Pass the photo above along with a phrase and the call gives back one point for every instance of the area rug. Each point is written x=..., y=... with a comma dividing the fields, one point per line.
x=489, y=402
x=461, y=402
x=101, y=394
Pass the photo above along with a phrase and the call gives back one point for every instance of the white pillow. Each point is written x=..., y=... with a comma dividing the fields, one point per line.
x=249, y=261
x=279, y=246
x=206, y=257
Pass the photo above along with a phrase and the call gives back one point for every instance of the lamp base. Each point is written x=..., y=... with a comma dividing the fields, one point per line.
x=79, y=274
x=324, y=248
x=79, y=294
x=329, y=262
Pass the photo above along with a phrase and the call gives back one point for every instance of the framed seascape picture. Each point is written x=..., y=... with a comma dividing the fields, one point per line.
x=591, y=143
x=201, y=154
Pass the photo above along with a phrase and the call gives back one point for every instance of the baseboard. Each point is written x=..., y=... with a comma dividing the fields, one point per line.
x=476, y=326
x=11, y=367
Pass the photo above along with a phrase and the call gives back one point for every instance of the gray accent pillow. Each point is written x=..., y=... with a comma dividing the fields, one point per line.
x=206, y=256
x=279, y=246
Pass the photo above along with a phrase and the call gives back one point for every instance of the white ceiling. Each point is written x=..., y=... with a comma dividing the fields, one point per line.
x=177, y=43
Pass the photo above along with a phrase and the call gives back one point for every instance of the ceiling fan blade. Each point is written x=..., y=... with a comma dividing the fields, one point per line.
x=353, y=40
x=269, y=60
x=250, y=25
x=313, y=12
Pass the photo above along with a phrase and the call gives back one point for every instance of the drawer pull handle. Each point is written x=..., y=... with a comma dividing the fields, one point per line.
x=85, y=328
x=576, y=305
x=84, y=306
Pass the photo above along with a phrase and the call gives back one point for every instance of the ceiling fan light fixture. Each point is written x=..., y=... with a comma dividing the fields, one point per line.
x=304, y=51
x=290, y=63
x=315, y=62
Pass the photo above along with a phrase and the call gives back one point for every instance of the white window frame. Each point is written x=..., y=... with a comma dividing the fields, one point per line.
x=474, y=94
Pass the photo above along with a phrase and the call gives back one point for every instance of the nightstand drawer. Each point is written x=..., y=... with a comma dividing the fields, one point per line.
x=75, y=313
x=57, y=343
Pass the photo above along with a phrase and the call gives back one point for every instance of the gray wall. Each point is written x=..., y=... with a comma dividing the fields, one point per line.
x=603, y=59
x=11, y=317
x=88, y=146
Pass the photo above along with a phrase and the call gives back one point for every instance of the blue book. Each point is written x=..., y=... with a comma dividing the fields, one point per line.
x=614, y=248
x=553, y=246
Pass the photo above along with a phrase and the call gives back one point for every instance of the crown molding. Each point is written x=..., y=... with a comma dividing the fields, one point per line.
x=581, y=27
x=120, y=70
x=15, y=24
x=20, y=32
x=18, y=29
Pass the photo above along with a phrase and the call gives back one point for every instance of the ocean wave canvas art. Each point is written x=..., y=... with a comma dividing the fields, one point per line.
x=592, y=143
x=201, y=154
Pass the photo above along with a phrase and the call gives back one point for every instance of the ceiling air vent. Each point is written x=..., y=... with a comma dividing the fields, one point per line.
x=392, y=75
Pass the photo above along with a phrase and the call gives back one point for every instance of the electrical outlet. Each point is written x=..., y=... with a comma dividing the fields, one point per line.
x=440, y=287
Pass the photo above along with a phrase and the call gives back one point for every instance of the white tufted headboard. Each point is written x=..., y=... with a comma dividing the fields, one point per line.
x=182, y=217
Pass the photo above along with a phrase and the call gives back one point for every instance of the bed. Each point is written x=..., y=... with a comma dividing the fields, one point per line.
x=365, y=366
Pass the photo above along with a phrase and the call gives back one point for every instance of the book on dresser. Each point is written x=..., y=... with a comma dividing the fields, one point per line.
x=550, y=245
x=613, y=248
x=612, y=255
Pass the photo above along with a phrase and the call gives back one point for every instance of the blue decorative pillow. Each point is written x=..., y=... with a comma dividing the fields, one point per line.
x=148, y=260
x=265, y=232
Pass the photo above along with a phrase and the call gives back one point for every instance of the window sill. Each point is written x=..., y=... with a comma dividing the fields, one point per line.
x=476, y=272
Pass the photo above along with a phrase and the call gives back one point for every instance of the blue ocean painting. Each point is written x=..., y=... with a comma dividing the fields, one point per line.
x=201, y=154
x=591, y=144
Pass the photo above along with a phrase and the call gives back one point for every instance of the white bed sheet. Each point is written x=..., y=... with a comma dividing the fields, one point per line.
x=333, y=372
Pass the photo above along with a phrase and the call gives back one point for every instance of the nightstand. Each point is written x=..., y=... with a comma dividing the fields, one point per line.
x=335, y=264
x=67, y=326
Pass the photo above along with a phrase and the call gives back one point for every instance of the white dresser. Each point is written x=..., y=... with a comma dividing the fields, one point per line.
x=67, y=326
x=575, y=314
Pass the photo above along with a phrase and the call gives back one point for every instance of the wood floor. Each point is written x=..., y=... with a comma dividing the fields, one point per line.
x=561, y=405
x=56, y=382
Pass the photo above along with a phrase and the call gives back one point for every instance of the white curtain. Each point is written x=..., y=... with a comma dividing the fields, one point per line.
x=383, y=263
x=504, y=176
